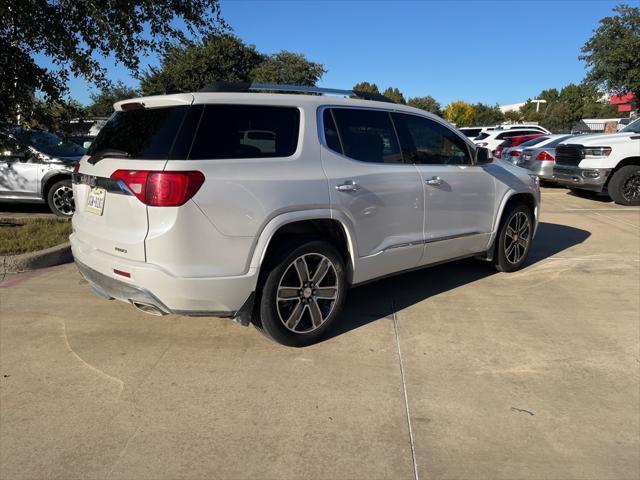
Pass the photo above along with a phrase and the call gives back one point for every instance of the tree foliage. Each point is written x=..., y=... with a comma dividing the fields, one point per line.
x=191, y=65
x=102, y=102
x=288, y=68
x=612, y=54
x=427, y=103
x=75, y=34
x=394, y=94
x=460, y=113
x=53, y=115
x=488, y=115
x=565, y=107
x=366, y=87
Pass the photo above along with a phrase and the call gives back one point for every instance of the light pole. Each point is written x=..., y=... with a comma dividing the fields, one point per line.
x=538, y=102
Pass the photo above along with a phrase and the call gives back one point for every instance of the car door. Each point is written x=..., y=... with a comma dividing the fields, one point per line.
x=371, y=186
x=459, y=196
x=18, y=170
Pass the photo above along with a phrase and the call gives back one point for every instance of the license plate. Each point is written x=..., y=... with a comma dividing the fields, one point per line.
x=95, y=200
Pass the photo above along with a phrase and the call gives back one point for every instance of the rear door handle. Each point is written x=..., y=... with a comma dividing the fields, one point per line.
x=349, y=186
x=434, y=181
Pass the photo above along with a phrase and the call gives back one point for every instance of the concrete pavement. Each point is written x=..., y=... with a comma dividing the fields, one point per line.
x=450, y=372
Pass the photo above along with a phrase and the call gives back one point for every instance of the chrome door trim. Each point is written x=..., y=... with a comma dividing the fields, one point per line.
x=423, y=242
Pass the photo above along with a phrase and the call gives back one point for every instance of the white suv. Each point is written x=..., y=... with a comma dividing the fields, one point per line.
x=266, y=207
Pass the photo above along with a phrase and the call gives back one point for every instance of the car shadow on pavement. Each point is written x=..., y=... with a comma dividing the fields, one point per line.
x=380, y=299
x=22, y=209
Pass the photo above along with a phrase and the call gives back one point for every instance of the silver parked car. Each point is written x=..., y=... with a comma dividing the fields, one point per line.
x=267, y=207
x=540, y=157
x=36, y=167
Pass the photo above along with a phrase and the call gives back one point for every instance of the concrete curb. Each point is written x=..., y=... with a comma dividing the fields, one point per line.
x=34, y=260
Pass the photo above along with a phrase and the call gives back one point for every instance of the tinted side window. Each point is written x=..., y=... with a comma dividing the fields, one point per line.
x=428, y=142
x=246, y=131
x=331, y=132
x=367, y=135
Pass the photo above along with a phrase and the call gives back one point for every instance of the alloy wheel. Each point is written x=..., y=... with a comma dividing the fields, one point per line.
x=517, y=237
x=631, y=188
x=307, y=293
x=63, y=200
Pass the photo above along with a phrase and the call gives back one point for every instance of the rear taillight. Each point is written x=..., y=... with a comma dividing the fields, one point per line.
x=544, y=156
x=515, y=153
x=76, y=167
x=498, y=151
x=161, y=189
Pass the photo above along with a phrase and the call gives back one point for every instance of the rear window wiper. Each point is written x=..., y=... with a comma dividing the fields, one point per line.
x=107, y=152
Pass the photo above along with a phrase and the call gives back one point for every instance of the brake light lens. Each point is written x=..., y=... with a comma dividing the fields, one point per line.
x=161, y=189
x=545, y=156
x=498, y=151
x=76, y=167
x=515, y=153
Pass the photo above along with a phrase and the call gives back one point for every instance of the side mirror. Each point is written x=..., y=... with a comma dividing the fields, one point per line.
x=483, y=156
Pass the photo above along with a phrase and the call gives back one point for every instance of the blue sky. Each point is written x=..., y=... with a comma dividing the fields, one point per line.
x=478, y=51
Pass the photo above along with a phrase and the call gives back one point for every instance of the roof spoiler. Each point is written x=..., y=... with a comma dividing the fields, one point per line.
x=269, y=87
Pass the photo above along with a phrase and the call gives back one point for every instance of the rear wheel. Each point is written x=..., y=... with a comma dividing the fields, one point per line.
x=302, y=295
x=60, y=199
x=514, y=238
x=624, y=186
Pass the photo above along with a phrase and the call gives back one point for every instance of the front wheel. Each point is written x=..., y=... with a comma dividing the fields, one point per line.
x=303, y=294
x=60, y=199
x=514, y=239
x=624, y=186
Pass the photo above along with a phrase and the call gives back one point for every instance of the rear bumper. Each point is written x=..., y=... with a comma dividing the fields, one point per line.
x=543, y=169
x=149, y=285
x=592, y=179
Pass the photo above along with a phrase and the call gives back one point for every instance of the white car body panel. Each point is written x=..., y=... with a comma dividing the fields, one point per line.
x=205, y=255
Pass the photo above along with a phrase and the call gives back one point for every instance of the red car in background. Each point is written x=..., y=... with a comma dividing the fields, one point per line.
x=512, y=142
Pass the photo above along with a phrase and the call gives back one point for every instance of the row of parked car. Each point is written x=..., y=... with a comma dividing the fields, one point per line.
x=602, y=163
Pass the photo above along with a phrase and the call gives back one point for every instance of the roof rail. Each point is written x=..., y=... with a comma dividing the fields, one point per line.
x=270, y=87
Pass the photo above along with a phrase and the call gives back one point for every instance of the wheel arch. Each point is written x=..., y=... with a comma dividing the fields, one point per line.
x=526, y=198
x=50, y=178
x=317, y=224
x=623, y=163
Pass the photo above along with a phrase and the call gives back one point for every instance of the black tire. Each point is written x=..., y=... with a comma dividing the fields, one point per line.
x=624, y=185
x=303, y=304
x=504, y=258
x=60, y=199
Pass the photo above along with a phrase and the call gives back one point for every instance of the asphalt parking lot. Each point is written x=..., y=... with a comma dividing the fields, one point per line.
x=450, y=372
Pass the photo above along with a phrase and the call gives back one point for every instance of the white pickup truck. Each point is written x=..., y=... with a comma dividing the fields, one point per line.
x=602, y=163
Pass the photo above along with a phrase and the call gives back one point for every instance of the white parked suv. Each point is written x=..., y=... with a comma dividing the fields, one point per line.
x=491, y=139
x=180, y=210
x=602, y=163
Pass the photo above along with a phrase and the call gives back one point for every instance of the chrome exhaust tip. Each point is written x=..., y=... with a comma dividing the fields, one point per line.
x=147, y=308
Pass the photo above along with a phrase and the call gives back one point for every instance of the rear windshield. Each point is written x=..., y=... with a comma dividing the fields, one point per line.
x=50, y=144
x=246, y=131
x=147, y=133
x=534, y=141
x=471, y=132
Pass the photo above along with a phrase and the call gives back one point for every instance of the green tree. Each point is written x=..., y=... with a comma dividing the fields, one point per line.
x=366, y=87
x=513, y=116
x=191, y=65
x=102, y=102
x=612, y=54
x=460, y=113
x=53, y=114
x=75, y=35
x=427, y=103
x=487, y=115
x=288, y=68
x=394, y=94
